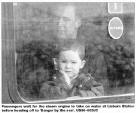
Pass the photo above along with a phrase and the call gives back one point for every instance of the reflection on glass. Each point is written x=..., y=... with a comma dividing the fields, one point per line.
x=107, y=62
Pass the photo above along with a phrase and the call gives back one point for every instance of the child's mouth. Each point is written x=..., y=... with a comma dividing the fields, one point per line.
x=68, y=71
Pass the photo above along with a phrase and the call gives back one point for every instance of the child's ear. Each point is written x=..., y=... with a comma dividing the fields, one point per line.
x=82, y=64
x=55, y=63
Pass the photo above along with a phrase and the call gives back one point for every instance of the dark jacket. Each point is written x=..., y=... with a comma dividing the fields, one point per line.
x=83, y=86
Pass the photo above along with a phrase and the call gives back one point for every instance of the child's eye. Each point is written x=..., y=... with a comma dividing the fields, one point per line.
x=74, y=62
x=63, y=61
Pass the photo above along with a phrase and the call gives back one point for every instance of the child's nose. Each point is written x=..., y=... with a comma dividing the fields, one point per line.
x=68, y=65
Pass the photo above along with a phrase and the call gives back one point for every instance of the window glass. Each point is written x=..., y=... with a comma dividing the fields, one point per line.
x=110, y=62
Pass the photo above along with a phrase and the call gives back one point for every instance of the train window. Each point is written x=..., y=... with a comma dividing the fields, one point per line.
x=34, y=70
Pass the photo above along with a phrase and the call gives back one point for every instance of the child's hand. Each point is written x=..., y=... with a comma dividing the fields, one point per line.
x=66, y=77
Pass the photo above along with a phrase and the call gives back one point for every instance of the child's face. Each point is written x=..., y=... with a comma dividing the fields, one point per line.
x=70, y=63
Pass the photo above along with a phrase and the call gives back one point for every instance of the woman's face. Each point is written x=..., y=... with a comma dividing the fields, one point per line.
x=67, y=23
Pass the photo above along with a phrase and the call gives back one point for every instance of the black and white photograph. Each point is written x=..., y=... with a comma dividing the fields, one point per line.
x=68, y=52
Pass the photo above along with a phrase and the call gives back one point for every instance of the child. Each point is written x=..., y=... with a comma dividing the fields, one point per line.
x=69, y=81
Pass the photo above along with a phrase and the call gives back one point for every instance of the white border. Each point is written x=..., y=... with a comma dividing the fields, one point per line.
x=0, y=56
x=104, y=110
x=67, y=0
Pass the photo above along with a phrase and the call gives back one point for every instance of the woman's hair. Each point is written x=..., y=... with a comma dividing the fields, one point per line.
x=73, y=45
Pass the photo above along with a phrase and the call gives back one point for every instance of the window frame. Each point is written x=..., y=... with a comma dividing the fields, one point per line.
x=9, y=81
